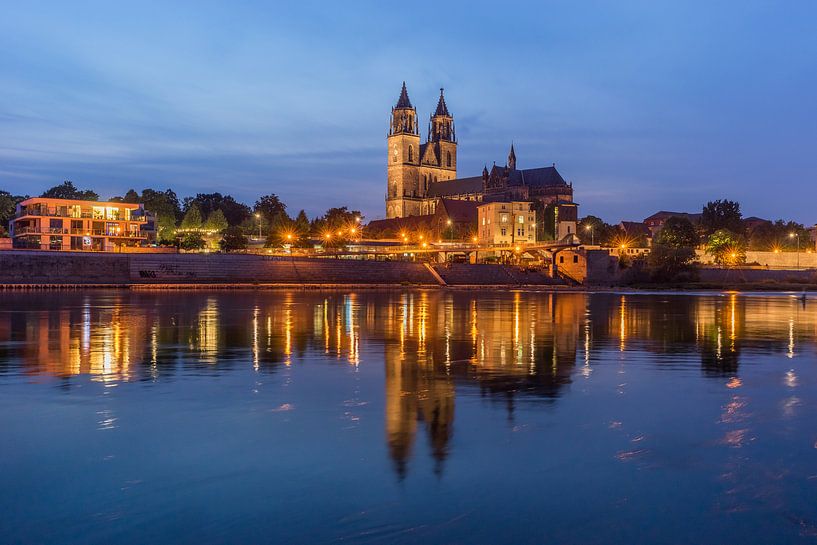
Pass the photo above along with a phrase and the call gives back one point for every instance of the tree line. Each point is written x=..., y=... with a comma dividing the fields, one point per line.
x=187, y=222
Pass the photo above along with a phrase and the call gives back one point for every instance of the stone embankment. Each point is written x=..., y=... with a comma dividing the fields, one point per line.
x=55, y=269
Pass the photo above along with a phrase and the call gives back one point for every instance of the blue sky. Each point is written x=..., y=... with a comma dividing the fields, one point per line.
x=642, y=105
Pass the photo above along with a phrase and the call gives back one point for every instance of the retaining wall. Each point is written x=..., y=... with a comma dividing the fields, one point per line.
x=52, y=268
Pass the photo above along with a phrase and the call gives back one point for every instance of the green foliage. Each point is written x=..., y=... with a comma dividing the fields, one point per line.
x=726, y=247
x=191, y=241
x=233, y=239
x=302, y=229
x=777, y=236
x=677, y=233
x=216, y=221
x=271, y=208
x=721, y=214
x=8, y=206
x=67, y=190
x=207, y=203
x=673, y=251
x=593, y=230
x=192, y=219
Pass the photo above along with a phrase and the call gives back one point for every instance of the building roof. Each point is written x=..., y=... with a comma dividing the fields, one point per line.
x=460, y=186
x=636, y=229
x=664, y=215
x=403, y=101
x=72, y=202
x=531, y=177
x=459, y=211
x=536, y=177
x=442, y=109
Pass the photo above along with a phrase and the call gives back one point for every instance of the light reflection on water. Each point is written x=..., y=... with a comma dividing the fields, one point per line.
x=407, y=416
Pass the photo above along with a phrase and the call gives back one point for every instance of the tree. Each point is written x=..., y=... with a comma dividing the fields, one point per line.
x=600, y=233
x=233, y=239
x=191, y=241
x=302, y=228
x=726, y=248
x=673, y=250
x=67, y=190
x=8, y=207
x=216, y=222
x=777, y=236
x=270, y=207
x=207, y=203
x=165, y=206
x=721, y=214
x=192, y=219
x=678, y=233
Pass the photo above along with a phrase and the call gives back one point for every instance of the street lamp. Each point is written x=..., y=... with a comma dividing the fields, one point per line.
x=797, y=236
x=258, y=218
x=450, y=234
x=590, y=228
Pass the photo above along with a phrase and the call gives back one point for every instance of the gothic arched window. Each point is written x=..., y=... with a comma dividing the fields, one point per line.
x=448, y=158
x=411, y=153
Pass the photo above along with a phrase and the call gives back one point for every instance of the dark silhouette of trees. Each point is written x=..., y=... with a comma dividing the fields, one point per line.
x=67, y=190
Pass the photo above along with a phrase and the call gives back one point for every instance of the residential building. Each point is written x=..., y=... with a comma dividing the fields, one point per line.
x=506, y=223
x=656, y=222
x=61, y=224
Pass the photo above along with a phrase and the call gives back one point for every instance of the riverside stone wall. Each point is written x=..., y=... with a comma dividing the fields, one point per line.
x=35, y=267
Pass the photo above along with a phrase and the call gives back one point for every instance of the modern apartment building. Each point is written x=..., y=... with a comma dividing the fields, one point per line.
x=61, y=224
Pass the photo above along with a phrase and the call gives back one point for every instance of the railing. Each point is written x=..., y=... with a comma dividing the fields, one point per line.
x=79, y=232
x=83, y=215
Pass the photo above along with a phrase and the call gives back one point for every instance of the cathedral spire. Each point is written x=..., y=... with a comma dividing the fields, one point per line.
x=442, y=109
x=403, y=101
x=512, y=158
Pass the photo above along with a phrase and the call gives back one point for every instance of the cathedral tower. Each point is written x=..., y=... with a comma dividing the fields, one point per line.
x=403, y=194
x=413, y=167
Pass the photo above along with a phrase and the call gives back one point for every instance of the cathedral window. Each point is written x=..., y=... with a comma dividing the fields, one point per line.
x=411, y=154
x=448, y=158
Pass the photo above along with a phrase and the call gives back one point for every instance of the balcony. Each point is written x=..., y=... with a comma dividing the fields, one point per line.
x=78, y=232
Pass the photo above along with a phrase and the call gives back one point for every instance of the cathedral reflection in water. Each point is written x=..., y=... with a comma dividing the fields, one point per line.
x=508, y=347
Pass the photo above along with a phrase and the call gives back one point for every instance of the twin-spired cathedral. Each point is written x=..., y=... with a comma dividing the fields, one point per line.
x=420, y=174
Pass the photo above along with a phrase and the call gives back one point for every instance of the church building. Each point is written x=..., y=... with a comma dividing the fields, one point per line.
x=421, y=174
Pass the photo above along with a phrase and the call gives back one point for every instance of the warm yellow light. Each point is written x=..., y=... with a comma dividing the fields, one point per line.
x=734, y=255
x=357, y=219
x=340, y=232
x=289, y=236
x=517, y=248
x=421, y=237
x=352, y=230
x=424, y=245
x=448, y=222
x=474, y=239
x=792, y=235
x=623, y=246
x=327, y=236
x=588, y=227
x=257, y=215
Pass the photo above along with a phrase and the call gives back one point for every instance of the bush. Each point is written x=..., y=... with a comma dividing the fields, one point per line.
x=233, y=239
x=191, y=241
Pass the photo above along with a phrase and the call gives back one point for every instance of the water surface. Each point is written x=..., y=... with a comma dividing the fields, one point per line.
x=407, y=417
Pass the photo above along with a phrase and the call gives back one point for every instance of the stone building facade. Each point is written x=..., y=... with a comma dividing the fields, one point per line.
x=419, y=175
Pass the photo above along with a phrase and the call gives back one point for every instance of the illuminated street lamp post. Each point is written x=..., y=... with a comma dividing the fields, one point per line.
x=258, y=219
x=590, y=228
x=797, y=236
x=450, y=234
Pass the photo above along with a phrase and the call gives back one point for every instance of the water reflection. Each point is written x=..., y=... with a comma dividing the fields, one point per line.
x=505, y=348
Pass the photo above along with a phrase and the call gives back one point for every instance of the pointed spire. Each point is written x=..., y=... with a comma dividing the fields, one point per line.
x=512, y=158
x=442, y=109
x=403, y=101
